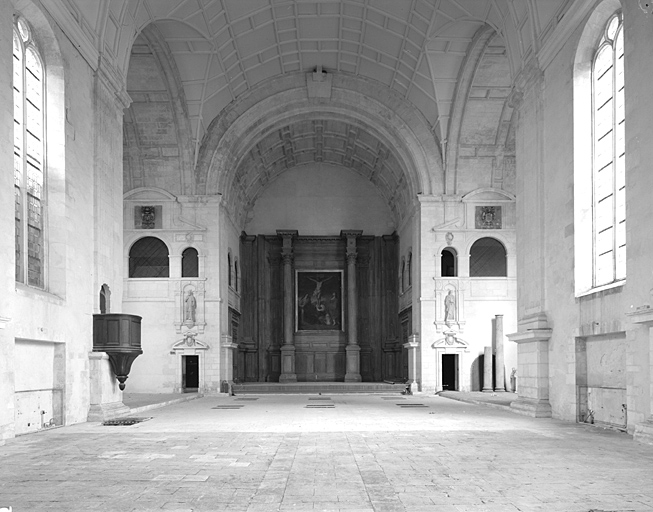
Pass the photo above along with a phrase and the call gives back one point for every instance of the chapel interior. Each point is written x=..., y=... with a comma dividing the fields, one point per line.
x=446, y=194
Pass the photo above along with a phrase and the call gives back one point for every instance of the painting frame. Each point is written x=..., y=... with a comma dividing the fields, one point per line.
x=319, y=304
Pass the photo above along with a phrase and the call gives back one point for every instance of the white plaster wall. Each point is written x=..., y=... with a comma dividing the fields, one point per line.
x=187, y=222
x=82, y=222
x=320, y=199
x=545, y=222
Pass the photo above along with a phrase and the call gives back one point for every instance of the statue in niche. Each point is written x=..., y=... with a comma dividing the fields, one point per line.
x=449, y=307
x=190, y=307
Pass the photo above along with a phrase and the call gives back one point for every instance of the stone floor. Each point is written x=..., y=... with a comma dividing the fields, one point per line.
x=338, y=452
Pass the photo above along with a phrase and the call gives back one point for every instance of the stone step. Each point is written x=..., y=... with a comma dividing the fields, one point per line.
x=304, y=388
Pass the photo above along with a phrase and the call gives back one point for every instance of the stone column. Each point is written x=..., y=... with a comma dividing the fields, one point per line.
x=533, y=370
x=413, y=363
x=487, y=370
x=500, y=371
x=288, y=349
x=353, y=349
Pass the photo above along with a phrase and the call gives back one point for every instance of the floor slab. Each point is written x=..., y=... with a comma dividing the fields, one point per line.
x=352, y=453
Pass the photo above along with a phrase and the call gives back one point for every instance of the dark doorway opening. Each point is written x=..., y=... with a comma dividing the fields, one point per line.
x=450, y=372
x=190, y=373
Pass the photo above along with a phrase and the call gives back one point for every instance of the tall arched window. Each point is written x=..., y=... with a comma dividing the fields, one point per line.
x=487, y=258
x=229, y=272
x=410, y=269
x=148, y=257
x=448, y=264
x=189, y=263
x=29, y=155
x=236, y=274
x=609, y=149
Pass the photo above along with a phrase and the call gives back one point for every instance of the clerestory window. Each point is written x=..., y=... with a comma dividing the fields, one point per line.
x=29, y=155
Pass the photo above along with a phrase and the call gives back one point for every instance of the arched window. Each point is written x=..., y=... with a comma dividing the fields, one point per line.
x=189, y=263
x=487, y=258
x=600, y=151
x=148, y=257
x=402, y=276
x=608, y=162
x=236, y=274
x=29, y=155
x=410, y=269
x=448, y=262
x=229, y=278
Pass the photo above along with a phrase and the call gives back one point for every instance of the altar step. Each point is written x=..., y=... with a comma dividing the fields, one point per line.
x=310, y=388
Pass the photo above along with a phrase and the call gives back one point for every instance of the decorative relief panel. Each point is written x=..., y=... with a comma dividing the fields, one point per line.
x=488, y=217
x=147, y=217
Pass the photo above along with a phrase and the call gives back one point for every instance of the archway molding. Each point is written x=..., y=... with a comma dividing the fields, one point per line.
x=394, y=121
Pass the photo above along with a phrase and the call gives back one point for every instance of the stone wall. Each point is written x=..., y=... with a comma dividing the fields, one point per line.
x=82, y=229
x=580, y=324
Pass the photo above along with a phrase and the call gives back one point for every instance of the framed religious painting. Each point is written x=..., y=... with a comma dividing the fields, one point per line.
x=318, y=304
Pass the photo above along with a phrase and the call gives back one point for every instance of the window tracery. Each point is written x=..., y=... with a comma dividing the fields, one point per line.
x=29, y=155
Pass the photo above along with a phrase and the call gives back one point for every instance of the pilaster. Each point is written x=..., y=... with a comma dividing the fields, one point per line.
x=533, y=368
x=644, y=430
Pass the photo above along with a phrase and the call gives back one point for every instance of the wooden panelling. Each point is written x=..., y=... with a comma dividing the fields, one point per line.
x=319, y=355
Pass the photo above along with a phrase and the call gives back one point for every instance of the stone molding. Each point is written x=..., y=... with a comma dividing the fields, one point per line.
x=530, y=335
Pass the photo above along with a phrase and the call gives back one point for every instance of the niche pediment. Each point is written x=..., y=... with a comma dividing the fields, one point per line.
x=488, y=195
x=148, y=194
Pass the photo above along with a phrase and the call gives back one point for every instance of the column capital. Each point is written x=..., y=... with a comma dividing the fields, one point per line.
x=113, y=80
x=287, y=234
x=351, y=235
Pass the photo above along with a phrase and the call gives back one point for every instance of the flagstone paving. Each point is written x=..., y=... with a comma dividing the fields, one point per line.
x=356, y=453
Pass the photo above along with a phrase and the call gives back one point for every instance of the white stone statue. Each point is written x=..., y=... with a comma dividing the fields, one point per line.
x=449, y=307
x=191, y=306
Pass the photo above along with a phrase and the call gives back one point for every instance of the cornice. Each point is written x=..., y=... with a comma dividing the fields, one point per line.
x=569, y=22
x=73, y=31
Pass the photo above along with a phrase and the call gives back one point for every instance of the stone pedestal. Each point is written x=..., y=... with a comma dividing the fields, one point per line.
x=353, y=355
x=500, y=371
x=288, y=364
x=228, y=353
x=413, y=363
x=533, y=357
x=644, y=431
x=487, y=370
x=106, y=397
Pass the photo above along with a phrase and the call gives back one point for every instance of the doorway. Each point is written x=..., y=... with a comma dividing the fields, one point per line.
x=450, y=372
x=190, y=374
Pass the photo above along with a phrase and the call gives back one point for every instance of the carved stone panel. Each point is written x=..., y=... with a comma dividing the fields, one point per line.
x=148, y=217
x=488, y=217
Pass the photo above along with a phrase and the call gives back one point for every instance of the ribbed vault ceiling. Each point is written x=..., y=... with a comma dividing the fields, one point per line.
x=322, y=140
